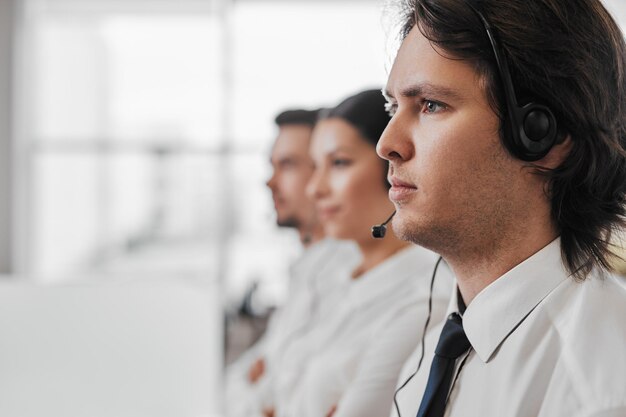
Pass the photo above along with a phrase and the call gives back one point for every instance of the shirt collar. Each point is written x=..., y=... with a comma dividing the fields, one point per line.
x=499, y=308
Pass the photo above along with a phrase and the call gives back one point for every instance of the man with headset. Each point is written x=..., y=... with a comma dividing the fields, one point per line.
x=507, y=156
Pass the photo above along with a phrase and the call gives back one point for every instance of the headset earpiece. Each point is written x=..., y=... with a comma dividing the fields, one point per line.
x=533, y=127
x=533, y=132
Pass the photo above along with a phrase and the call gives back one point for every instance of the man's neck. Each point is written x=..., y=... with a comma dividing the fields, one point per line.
x=309, y=236
x=476, y=269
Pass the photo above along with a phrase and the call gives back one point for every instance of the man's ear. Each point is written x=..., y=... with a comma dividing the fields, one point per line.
x=557, y=154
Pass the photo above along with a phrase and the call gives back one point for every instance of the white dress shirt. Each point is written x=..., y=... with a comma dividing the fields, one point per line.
x=316, y=279
x=353, y=360
x=543, y=345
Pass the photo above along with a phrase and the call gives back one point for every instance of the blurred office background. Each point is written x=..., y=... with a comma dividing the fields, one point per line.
x=135, y=134
x=134, y=147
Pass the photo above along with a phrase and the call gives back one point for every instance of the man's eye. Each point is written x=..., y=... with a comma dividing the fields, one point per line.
x=431, y=106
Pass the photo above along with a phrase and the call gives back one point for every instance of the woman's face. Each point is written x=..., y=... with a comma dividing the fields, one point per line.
x=348, y=184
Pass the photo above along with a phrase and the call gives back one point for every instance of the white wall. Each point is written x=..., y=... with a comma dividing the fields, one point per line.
x=618, y=10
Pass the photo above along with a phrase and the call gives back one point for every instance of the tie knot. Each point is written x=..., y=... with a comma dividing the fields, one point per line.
x=452, y=342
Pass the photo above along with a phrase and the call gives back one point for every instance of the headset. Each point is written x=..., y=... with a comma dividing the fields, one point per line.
x=533, y=126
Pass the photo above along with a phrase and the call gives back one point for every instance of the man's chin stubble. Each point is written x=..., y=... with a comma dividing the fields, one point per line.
x=289, y=222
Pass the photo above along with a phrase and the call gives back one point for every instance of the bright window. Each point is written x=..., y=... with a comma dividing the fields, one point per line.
x=150, y=123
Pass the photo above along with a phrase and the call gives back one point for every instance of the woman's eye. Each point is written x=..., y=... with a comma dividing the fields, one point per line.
x=340, y=162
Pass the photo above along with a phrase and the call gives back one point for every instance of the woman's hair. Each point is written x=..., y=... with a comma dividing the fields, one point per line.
x=571, y=56
x=366, y=112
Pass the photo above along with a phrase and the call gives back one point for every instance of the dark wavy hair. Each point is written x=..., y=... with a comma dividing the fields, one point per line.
x=571, y=56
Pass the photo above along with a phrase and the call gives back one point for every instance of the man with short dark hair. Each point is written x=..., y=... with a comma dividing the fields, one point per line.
x=292, y=167
x=507, y=152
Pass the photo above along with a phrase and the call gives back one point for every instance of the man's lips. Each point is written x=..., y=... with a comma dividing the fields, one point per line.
x=400, y=190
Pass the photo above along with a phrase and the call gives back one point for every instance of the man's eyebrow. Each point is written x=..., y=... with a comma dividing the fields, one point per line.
x=426, y=90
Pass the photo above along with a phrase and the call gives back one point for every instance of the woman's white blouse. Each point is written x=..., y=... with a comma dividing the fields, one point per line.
x=352, y=360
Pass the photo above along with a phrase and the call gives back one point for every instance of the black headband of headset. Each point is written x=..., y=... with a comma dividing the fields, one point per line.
x=533, y=126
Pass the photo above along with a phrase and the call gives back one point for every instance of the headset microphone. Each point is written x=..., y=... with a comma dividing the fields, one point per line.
x=379, y=230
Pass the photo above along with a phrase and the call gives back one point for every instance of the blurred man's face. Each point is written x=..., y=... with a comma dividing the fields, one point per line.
x=292, y=169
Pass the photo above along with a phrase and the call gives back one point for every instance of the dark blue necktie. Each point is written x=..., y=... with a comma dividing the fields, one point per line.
x=452, y=344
